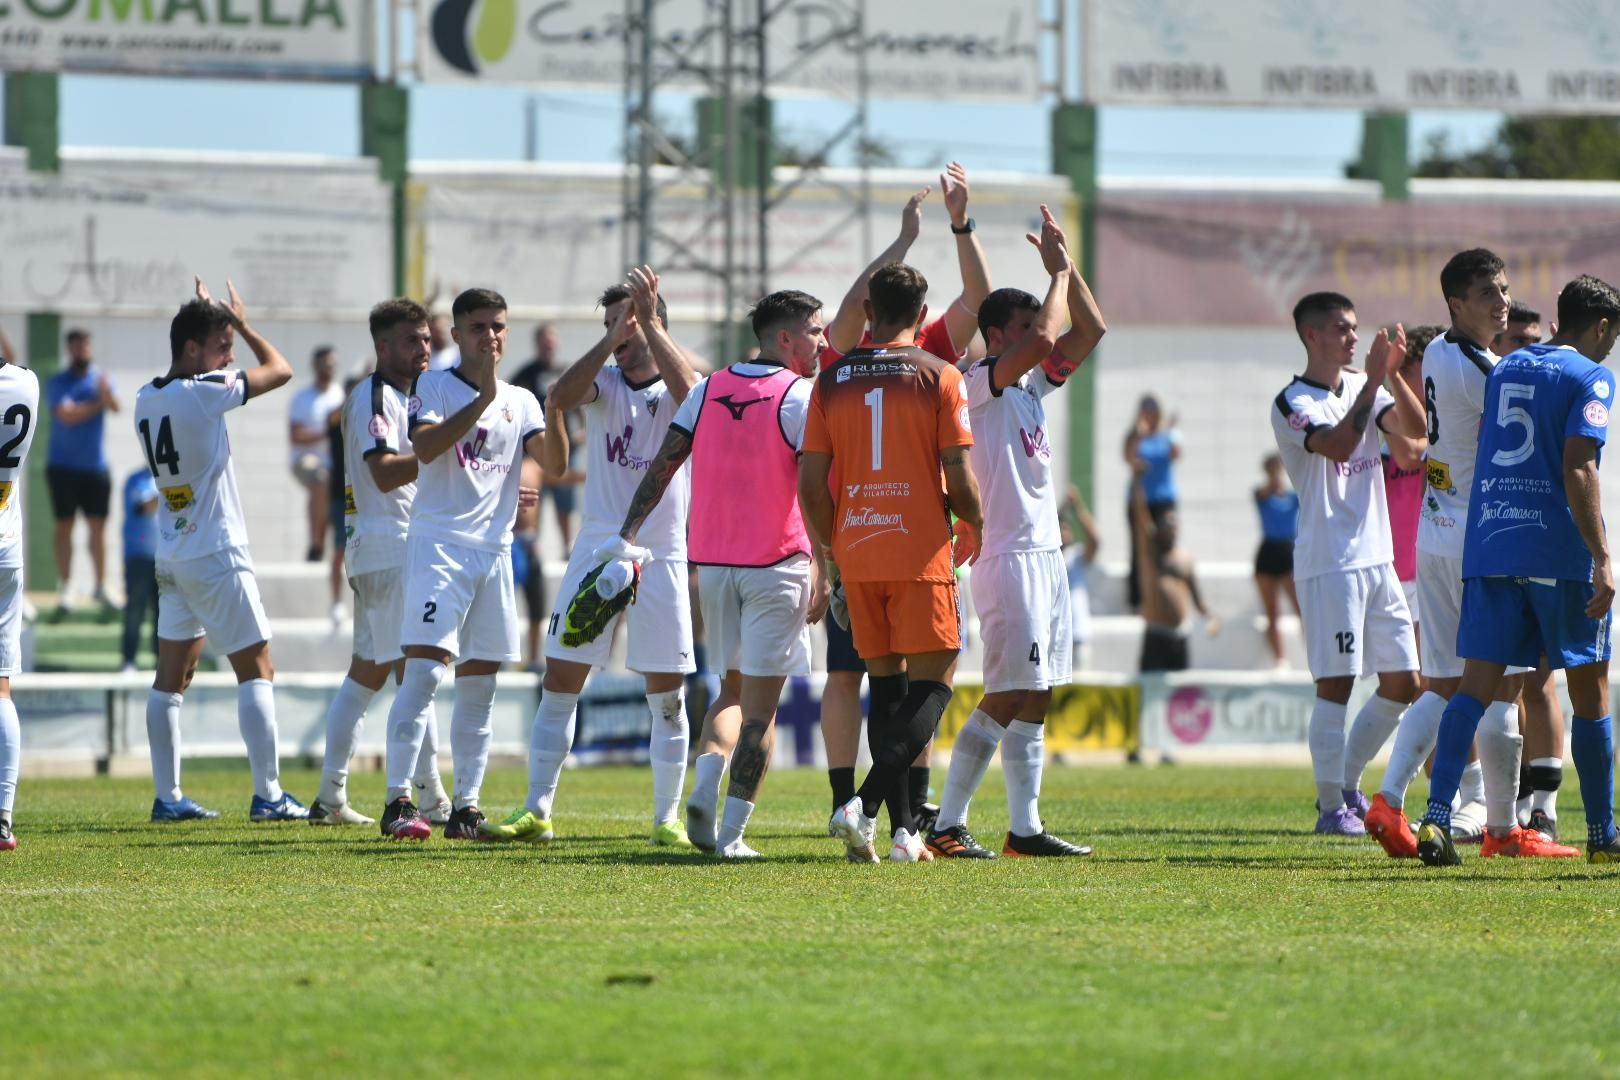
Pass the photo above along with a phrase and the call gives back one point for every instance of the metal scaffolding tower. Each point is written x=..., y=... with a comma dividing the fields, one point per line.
x=731, y=61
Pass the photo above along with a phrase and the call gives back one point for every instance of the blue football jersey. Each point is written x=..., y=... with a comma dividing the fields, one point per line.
x=1519, y=524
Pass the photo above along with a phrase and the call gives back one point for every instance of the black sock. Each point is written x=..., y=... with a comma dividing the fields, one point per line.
x=1545, y=777
x=1524, y=781
x=919, y=777
x=912, y=726
x=843, y=785
x=888, y=694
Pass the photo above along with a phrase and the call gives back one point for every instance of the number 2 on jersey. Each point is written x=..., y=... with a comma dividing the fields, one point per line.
x=874, y=401
x=164, y=452
x=18, y=413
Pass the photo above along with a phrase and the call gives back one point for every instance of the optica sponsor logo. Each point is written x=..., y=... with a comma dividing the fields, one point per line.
x=1189, y=714
x=472, y=33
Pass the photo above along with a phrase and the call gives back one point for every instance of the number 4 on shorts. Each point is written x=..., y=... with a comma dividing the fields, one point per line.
x=1035, y=652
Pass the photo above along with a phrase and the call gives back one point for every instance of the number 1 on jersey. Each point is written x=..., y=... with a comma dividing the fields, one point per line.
x=874, y=401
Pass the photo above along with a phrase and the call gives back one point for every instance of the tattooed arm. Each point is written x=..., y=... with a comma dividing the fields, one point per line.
x=671, y=456
x=1339, y=442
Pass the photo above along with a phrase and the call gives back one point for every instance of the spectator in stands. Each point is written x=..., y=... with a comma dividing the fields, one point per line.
x=1077, y=524
x=446, y=353
x=1169, y=588
x=1151, y=450
x=76, y=464
x=537, y=377
x=1278, y=505
x=308, y=418
x=1523, y=328
x=140, y=562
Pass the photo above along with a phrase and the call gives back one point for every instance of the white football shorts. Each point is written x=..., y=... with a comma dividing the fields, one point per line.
x=11, y=621
x=214, y=594
x=1025, y=620
x=1440, y=590
x=754, y=617
x=1356, y=623
x=659, y=622
x=460, y=599
x=379, y=607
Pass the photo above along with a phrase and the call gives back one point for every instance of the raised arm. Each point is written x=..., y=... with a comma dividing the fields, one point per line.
x=669, y=357
x=1586, y=507
x=272, y=371
x=1086, y=326
x=431, y=440
x=1036, y=345
x=962, y=317
x=1338, y=442
x=844, y=331
x=577, y=385
x=671, y=456
x=1409, y=431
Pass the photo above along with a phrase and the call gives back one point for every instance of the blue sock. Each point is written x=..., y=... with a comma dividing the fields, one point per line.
x=1457, y=726
x=1592, y=742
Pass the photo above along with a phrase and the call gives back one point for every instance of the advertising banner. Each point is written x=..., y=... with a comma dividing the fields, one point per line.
x=1245, y=258
x=1373, y=54
x=1082, y=717
x=1215, y=710
x=966, y=50
x=92, y=241
x=284, y=39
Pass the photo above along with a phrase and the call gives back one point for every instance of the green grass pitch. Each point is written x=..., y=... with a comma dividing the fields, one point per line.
x=1211, y=934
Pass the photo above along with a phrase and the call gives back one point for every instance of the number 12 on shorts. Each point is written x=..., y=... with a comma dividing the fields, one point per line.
x=1346, y=640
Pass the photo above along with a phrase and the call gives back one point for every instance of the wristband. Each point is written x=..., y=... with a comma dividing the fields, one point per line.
x=965, y=229
x=1057, y=367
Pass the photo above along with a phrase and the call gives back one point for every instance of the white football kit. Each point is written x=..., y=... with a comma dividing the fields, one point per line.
x=458, y=594
x=625, y=426
x=1455, y=371
x=376, y=421
x=1353, y=608
x=1020, y=581
x=754, y=617
x=19, y=409
x=205, y=577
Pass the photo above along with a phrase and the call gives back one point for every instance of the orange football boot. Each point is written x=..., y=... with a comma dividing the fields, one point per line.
x=1387, y=824
x=1521, y=843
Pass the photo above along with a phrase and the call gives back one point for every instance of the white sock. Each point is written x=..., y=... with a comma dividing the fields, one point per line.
x=1472, y=787
x=1415, y=737
x=550, y=739
x=1326, y=738
x=407, y=722
x=734, y=821
x=344, y=715
x=667, y=748
x=163, y=733
x=1023, y=758
x=1545, y=801
x=256, y=716
x=470, y=731
x=10, y=754
x=1375, y=722
x=971, y=754
x=426, y=779
x=1500, y=748
x=706, y=773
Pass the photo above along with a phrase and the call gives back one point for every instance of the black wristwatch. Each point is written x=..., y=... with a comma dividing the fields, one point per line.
x=965, y=229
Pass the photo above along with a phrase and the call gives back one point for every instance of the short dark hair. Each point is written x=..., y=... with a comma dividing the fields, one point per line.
x=1314, y=307
x=195, y=321
x=321, y=350
x=1467, y=267
x=1418, y=338
x=1523, y=313
x=390, y=313
x=997, y=309
x=477, y=300
x=77, y=334
x=1584, y=301
x=897, y=292
x=614, y=293
x=782, y=306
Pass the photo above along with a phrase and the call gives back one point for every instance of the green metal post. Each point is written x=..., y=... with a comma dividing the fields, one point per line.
x=31, y=122
x=1074, y=155
x=1384, y=153
x=741, y=165
x=385, y=115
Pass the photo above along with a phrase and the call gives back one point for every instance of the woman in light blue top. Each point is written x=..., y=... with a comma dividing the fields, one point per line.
x=1278, y=506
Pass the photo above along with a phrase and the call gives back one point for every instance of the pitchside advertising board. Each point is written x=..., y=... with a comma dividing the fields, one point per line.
x=285, y=39
x=982, y=50
x=1551, y=56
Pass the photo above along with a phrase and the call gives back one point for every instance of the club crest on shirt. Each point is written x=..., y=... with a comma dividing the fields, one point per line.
x=652, y=405
x=414, y=405
x=506, y=413
x=378, y=427
x=1596, y=414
